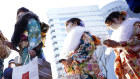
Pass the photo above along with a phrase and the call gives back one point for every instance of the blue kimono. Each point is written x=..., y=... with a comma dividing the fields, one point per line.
x=31, y=40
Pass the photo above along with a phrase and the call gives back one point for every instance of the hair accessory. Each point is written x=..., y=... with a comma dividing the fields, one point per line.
x=124, y=14
x=82, y=24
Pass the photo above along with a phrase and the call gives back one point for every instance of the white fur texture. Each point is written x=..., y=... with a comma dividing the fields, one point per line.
x=124, y=32
x=72, y=40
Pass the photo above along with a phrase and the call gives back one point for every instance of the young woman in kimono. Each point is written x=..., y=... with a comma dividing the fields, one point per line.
x=78, y=49
x=27, y=35
x=126, y=41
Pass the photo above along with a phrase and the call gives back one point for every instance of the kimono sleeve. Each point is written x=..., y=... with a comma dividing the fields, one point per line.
x=132, y=42
x=84, y=52
x=34, y=34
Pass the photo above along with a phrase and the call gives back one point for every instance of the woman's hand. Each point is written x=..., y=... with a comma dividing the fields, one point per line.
x=32, y=53
x=69, y=61
x=111, y=43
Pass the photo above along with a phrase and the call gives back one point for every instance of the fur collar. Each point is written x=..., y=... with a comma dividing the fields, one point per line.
x=125, y=31
x=72, y=40
x=20, y=26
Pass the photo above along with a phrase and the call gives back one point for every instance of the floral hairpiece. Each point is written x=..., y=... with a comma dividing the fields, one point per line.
x=82, y=24
x=124, y=14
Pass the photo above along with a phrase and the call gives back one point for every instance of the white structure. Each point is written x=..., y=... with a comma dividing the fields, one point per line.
x=92, y=16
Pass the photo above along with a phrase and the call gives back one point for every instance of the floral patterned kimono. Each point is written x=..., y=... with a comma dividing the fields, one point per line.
x=30, y=40
x=127, y=63
x=84, y=62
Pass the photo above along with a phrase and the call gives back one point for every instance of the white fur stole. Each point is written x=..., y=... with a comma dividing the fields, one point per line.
x=72, y=40
x=124, y=32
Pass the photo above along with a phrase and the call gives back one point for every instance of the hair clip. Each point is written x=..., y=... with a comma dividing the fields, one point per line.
x=124, y=14
x=82, y=24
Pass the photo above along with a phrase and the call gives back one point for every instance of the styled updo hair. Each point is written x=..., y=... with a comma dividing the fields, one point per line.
x=115, y=14
x=22, y=9
x=79, y=21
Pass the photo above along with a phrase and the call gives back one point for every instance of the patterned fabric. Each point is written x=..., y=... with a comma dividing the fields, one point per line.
x=127, y=63
x=73, y=76
x=34, y=34
x=30, y=39
x=84, y=62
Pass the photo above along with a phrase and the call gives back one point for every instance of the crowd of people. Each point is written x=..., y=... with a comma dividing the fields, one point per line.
x=78, y=50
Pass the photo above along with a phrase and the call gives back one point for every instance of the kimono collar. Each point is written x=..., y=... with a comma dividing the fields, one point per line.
x=72, y=40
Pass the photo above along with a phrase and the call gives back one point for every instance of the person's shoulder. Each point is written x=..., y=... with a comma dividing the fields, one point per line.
x=132, y=21
x=8, y=69
x=29, y=15
x=87, y=35
x=137, y=23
